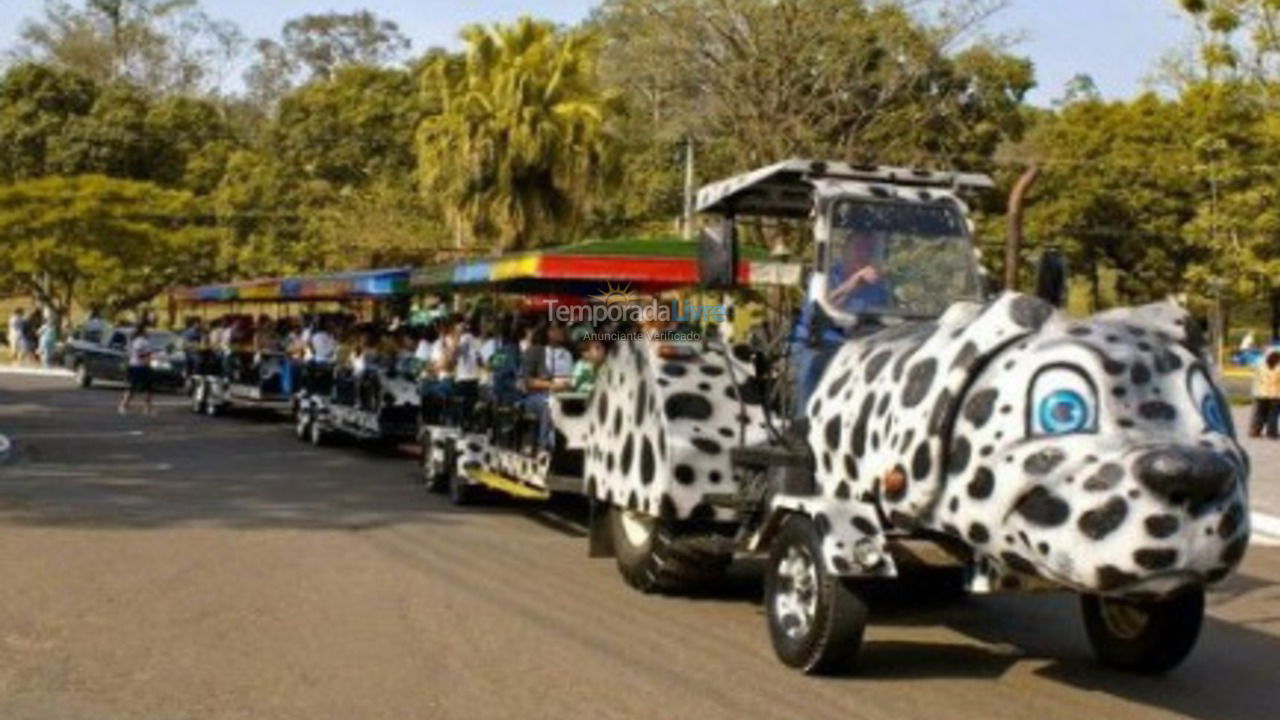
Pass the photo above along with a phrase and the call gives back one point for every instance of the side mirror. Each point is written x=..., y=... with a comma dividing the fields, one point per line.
x=718, y=257
x=1051, y=277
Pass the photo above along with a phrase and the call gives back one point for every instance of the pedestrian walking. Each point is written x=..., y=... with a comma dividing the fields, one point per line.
x=47, y=339
x=1266, y=396
x=139, y=372
x=19, y=348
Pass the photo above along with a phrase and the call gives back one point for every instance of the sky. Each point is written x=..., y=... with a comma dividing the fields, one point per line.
x=1117, y=42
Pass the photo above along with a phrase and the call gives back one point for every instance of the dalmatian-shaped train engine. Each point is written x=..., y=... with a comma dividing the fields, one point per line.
x=1020, y=447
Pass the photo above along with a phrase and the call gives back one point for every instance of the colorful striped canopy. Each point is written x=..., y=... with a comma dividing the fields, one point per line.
x=648, y=265
x=337, y=286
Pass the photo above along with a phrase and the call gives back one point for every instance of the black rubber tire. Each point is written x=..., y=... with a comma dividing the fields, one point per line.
x=1170, y=630
x=211, y=407
x=83, y=378
x=835, y=632
x=664, y=562
x=461, y=492
x=434, y=480
x=317, y=436
x=302, y=425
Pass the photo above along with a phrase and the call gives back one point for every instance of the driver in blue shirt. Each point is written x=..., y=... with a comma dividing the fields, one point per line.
x=855, y=284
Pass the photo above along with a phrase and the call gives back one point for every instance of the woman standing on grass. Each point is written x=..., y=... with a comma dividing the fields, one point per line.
x=139, y=369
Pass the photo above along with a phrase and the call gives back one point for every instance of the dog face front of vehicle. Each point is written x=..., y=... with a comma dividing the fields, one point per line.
x=1107, y=462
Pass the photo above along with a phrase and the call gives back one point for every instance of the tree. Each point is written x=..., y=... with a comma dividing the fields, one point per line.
x=868, y=82
x=56, y=122
x=1238, y=39
x=1116, y=194
x=98, y=240
x=165, y=46
x=521, y=141
x=325, y=43
x=37, y=104
x=347, y=130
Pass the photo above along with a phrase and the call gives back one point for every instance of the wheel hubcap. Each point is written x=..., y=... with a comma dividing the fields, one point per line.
x=795, y=602
x=637, y=528
x=1123, y=619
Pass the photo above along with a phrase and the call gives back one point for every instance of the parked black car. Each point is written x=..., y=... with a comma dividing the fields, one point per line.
x=106, y=357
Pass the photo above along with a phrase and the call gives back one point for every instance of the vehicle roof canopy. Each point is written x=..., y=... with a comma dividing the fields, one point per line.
x=384, y=283
x=645, y=264
x=785, y=189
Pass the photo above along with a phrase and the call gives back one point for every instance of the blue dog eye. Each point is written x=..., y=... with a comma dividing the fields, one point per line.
x=1211, y=409
x=1063, y=411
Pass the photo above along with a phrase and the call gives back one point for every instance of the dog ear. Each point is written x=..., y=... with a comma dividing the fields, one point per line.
x=1166, y=317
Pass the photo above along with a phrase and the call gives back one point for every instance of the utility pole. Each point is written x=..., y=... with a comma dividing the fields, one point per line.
x=687, y=222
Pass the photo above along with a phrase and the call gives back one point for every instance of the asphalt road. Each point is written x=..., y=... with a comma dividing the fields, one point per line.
x=187, y=567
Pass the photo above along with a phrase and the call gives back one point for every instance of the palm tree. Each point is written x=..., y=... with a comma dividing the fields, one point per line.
x=520, y=142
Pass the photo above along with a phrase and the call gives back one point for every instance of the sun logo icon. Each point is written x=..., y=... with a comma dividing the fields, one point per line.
x=615, y=294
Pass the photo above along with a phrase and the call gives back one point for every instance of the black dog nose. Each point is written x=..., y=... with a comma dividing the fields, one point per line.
x=1185, y=474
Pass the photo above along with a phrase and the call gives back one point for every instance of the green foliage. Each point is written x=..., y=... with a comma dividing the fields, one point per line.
x=521, y=140
x=325, y=43
x=165, y=46
x=97, y=240
x=868, y=82
x=350, y=129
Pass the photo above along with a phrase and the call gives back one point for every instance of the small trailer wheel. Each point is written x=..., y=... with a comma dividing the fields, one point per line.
x=316, y=432
x=461, y=491
x=302, y=424
x=1144, y=636
x=211, y=406
x=815, y=620
x=435, y=468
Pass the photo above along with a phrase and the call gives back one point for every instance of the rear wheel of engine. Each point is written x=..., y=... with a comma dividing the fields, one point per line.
x=815, y=619
x=1144, y=636
x=653, y=558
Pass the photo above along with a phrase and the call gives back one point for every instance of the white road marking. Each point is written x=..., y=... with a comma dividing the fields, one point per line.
x=40, y=371
x=1266, y=529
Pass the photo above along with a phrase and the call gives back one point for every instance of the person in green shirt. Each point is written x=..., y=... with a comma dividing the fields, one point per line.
x=583, y=378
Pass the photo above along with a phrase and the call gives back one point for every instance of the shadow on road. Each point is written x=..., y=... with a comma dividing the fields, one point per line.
x=76, y=462
x=79, y=464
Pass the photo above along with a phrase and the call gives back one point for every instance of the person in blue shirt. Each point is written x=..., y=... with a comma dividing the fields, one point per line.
x=855, y=284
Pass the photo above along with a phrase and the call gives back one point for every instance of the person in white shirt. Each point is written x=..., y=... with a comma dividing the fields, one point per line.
x=547, y=368
x=139, y=372
x=322, y=347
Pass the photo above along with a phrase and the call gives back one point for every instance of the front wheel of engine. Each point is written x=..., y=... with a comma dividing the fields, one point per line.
x=1144, y=636
x=816, y=621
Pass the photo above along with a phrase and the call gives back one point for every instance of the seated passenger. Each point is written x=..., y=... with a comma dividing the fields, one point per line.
x=583, y=378
x=547, y=368
x=466, y=369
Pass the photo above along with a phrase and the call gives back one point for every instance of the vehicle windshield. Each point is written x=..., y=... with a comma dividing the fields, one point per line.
x=899, y=258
